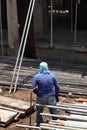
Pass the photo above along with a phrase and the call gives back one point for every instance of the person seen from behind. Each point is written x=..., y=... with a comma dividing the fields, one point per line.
x=46, y=87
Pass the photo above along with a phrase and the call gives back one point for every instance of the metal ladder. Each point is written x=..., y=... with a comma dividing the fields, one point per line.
x=22, y=46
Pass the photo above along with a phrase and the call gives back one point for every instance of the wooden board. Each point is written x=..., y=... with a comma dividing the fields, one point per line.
x=14, y=103
x=6, y=116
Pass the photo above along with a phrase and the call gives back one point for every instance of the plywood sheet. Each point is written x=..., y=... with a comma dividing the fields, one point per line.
x=6, y=116
x=14, y=103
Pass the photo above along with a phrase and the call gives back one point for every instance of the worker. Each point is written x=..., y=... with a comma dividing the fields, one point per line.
x=46, y=87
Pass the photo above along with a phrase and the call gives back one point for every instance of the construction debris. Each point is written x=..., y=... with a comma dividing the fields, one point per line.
x=7, y=116
x=11, y=109
x=16, y=104
x=72, y=85
x=67, y=121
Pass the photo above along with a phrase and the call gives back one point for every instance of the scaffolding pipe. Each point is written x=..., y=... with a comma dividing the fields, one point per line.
x=24, y=46
x=48, y=127
x=2, y=50
x=27, y=126
x=71, y=17
x=59, y=107
x=79, y=106
x=75, y=32
x=20, y=47
x=30, y=107
x=66, y=117
x=76, y=124
x=53, y=125
x=78, y=113
x=51, y=23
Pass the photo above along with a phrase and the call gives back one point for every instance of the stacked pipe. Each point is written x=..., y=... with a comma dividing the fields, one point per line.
x=75, y=119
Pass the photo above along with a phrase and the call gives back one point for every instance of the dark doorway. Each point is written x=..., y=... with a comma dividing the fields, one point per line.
x=22, y=13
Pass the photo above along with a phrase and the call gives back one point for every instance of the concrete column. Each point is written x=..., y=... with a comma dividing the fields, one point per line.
x=12, y=22
x=40, y=16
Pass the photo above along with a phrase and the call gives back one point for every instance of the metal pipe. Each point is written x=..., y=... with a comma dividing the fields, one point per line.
x=78, y=113
x=79, y=106
x=24, y=46
x=53, y=125
x=27, y=126
x=48, y=127
x=70, y=123
x=66, y=117
x=51, y=23
x=59, y=107
x=71, y=17
x=20, y=47
x=75, y=32
x=30, y=107
x=2, y=50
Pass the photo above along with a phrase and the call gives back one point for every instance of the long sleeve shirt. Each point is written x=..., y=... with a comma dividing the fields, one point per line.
x=47, y=85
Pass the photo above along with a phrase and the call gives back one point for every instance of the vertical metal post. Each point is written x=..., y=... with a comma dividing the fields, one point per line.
x=71, y=17
x=75, y=32
x=51, y=41
x=30, y=108
x=1, y=33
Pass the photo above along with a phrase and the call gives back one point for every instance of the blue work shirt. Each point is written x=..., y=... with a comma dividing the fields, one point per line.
x=47, y=85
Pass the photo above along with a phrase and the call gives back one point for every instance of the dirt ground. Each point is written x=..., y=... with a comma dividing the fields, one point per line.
x=25, y=96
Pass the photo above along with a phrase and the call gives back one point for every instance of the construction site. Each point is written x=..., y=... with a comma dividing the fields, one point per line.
x=33, y=31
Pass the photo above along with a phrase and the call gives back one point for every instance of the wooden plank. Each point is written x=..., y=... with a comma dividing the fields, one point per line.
x=15, y=103
x=7, y=116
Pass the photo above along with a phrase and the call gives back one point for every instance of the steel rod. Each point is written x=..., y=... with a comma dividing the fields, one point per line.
x=77, y=113
x=79, y=106
x=75, y=33
x=51, y=23
x=20, y=47
x=30, y=107
x=71, y=17
x=48, y=127
x=27, y=126
x=70, y=123
x=57, y=126
x=66, y=117
x=28, y=27
x=59, y=107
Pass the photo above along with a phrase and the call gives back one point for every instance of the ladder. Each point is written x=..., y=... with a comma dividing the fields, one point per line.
x=22, y=46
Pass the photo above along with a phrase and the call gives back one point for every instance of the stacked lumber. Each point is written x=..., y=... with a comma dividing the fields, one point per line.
x=11, y=109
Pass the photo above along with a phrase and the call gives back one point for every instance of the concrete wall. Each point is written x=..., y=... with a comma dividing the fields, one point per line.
x=63, y=55
x=40, y=16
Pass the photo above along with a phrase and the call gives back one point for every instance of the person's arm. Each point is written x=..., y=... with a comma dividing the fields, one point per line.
x=57, y=89
x=34, y=85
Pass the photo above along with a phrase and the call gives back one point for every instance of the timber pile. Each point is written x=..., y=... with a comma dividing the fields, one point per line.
x=7, y=116
x=11, y=109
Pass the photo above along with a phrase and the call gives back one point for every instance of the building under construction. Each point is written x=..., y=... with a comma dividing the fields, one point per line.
x=33, y=30
x=49, y=29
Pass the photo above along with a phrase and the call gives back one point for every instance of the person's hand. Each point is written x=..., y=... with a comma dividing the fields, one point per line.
x=57, y=98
